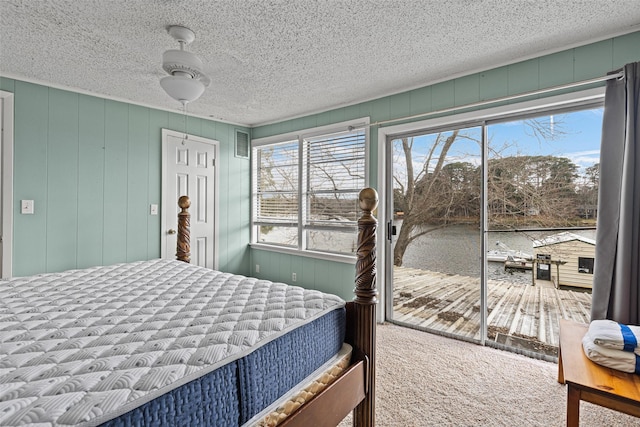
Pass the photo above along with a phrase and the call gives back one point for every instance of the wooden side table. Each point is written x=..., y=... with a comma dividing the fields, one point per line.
x=589, y=381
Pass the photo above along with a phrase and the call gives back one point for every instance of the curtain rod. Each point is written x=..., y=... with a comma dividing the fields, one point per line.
x=502, y=99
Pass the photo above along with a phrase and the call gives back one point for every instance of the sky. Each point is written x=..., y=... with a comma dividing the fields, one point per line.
x=575, y=135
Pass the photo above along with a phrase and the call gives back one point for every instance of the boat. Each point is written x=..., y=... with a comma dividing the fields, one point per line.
x=495, y=255
x=513, y=263
x=505, y=253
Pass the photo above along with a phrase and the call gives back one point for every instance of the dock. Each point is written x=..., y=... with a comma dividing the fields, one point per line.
x=520, y=315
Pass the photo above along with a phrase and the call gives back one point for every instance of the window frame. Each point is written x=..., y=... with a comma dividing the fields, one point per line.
x=590, y=261
x=301, y=136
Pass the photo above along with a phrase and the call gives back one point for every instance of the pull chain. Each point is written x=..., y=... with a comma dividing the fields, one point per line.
x=184, y=115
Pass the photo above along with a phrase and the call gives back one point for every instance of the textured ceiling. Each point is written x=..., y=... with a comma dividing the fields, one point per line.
x=271, y=60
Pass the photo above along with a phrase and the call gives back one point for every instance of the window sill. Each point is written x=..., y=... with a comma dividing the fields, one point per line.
x=347, y=259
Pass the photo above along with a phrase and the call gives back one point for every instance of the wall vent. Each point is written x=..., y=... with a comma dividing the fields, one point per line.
x=242, y=144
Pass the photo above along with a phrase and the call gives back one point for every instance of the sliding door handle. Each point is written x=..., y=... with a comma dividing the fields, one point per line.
x=391, y=230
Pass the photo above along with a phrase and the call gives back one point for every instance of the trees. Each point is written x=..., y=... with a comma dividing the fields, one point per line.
x=587, y=192
x=437, y=189
x=419, y=191
x=531, y=190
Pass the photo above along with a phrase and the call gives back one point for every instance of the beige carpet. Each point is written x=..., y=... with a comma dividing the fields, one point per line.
x=428, y=380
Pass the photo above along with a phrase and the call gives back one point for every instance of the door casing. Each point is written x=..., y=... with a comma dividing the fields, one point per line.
x=6, y=166
x=385, y=188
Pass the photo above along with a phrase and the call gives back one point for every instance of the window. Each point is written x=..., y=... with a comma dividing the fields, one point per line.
x=306, y=189
x=585, y=265
x=277, y=193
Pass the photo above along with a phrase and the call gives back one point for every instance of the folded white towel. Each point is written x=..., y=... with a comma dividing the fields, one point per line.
x=618, y=336
x=616, y=359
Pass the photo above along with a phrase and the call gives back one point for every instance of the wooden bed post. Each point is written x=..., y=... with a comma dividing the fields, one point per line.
x=365, y=303
x=183, y=252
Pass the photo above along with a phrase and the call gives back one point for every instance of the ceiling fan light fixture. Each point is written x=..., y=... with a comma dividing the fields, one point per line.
x=186, y=82
x=182, y=88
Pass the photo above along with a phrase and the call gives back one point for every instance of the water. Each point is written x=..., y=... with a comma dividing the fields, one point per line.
x=456, y=250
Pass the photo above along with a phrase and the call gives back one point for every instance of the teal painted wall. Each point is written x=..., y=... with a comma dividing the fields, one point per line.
x=573, y=65
x=93, y=167
x=333, y=277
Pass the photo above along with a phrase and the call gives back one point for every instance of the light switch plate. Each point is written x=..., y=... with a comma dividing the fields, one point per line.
x=154, y=210
x=26, y=206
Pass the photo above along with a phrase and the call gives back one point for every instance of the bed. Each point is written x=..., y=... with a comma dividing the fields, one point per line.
x=163, y=342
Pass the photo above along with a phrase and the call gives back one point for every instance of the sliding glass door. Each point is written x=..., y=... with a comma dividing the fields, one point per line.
x=493, y=228
x=436, y=214
x=542, y=202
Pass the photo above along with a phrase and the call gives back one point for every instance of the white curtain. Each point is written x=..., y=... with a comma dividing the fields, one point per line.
x=616, y=281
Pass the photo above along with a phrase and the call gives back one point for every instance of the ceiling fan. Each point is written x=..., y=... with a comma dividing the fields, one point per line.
x=186, y=81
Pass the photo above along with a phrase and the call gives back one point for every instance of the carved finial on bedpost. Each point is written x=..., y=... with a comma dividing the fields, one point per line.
x=365, y=302
x=366, y=256
x=184, y=244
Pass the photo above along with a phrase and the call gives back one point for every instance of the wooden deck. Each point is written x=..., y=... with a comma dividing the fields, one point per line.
x=519, y=315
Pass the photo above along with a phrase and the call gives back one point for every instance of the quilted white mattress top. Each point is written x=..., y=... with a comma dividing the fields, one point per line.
x=84, y=346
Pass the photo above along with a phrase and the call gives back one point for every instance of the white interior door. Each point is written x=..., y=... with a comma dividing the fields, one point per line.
x=189, y=168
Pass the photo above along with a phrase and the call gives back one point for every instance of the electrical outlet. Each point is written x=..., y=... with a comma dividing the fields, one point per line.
x=257, y=268
x=294, y=277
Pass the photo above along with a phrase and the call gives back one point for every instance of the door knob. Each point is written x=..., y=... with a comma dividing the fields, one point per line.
x=171, y=231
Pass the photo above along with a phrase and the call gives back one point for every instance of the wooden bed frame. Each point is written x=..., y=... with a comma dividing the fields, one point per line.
x=354, y=390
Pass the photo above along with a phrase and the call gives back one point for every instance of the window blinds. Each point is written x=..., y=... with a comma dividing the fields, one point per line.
x=335, y=174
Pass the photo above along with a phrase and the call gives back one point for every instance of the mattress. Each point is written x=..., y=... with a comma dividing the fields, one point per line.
x=151, y=341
